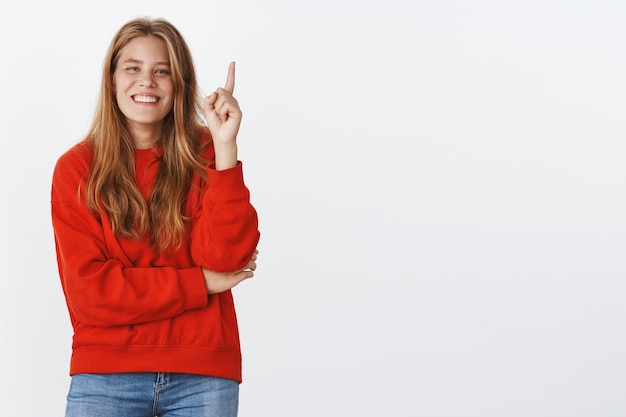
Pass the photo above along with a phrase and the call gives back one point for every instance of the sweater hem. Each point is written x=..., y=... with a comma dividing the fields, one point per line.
x=172, y=359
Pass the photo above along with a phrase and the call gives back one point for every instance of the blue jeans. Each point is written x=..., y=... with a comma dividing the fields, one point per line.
x=151, y=395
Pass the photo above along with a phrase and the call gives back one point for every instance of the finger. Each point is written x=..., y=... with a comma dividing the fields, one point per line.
x=224, y=110
x=251, y=266
x=254, y=255
x=230, y=79
x=243, y=275
x=224, y=96
x=209, y=102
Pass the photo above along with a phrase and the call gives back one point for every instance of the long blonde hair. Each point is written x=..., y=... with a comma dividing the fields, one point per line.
x=111, y=186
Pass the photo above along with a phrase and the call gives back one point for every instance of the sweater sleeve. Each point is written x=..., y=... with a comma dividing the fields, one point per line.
x=225, y=232
x=103, y=288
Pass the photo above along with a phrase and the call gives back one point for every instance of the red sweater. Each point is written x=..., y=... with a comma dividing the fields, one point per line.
x=137, y=310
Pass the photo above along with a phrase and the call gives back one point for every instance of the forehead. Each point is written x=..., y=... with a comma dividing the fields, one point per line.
x=145, y=49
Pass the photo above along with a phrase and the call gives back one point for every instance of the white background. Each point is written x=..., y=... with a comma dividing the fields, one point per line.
x=441, y=191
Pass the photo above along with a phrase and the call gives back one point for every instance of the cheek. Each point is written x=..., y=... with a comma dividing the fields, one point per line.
x=169, y=106
x=169, y=88
x=120, y=83
x=171, y=94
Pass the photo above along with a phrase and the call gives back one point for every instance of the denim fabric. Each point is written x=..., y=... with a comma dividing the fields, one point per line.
x=151, y=395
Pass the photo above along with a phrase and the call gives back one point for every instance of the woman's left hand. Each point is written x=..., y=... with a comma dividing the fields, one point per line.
x=223, y=117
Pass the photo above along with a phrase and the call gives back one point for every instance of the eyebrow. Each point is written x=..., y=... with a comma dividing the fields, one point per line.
x=136, y=61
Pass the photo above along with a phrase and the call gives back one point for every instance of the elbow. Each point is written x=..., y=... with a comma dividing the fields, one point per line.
x=230, y=258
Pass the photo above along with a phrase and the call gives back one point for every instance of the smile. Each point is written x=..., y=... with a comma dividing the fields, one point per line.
x=145, y=99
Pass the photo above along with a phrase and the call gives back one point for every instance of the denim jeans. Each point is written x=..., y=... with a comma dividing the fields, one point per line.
x=151, y=395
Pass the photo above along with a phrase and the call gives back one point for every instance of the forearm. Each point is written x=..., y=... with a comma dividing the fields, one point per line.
x=106, y=294
x=104, y=287
x=225, y=156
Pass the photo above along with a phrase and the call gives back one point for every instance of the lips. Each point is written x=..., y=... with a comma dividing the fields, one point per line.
x=145, y=99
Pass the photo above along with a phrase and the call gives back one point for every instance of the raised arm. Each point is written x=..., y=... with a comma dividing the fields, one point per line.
x=223, y=117
x=225, y=233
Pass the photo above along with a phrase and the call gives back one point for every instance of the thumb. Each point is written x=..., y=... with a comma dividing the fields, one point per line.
x=245, y=274
x=209, y=102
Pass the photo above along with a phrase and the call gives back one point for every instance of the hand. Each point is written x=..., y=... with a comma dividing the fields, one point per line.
x=217, y=282
x=222, y=112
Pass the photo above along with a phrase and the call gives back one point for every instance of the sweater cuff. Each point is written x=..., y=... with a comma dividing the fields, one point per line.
x=228, y=183
x=194, y=290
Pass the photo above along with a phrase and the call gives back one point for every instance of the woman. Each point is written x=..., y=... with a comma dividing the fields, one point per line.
x=153, y=227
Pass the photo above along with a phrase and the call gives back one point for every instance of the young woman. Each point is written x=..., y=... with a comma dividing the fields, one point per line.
x=153, y=227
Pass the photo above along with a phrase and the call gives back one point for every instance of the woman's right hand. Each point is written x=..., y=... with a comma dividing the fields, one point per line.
x=217, y=282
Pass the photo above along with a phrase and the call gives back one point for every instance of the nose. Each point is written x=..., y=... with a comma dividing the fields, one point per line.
x=146, y=80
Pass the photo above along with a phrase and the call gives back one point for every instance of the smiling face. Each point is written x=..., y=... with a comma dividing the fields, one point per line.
x=144, y=88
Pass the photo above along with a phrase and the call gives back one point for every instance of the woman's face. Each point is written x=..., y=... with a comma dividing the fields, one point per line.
x=143, y=84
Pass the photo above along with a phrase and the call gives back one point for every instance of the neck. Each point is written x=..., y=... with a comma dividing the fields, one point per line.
x=145, y=136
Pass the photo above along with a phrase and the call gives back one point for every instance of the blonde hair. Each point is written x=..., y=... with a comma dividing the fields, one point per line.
x=111, y=186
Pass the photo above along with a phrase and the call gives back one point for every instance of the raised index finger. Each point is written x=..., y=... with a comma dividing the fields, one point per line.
x=230, y=79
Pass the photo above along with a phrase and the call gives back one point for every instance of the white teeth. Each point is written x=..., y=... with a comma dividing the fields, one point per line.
x=145, y=99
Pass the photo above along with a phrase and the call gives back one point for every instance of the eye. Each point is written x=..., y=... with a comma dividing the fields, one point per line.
x=162, y=72
x=132, y=69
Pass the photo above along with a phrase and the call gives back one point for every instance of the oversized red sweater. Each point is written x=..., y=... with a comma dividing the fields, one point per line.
x=137, y=310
